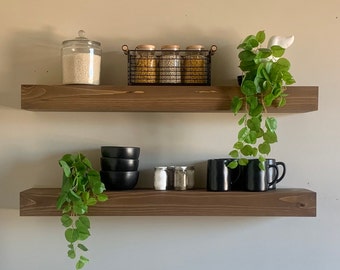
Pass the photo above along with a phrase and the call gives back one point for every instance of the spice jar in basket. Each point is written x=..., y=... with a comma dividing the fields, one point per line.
x=81, y=59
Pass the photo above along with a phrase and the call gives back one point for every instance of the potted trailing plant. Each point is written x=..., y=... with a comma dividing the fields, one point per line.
x=81, y=188
x=265, y=77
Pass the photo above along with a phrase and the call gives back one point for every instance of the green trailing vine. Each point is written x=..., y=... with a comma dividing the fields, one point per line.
x=265, y=76
x=81, y=188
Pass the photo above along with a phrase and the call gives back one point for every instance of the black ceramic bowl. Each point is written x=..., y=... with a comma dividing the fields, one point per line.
x=119, y=180
x=120, y=152
x=119, y=164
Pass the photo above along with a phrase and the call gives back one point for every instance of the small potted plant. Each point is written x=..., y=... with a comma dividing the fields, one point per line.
x=264, y=80
x=81, y=188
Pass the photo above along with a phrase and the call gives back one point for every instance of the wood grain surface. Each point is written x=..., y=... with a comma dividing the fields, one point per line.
x=280, y=202
x=107, y=98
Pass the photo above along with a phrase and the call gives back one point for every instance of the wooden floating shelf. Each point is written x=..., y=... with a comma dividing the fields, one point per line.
x=280, y=202
x=107, y=98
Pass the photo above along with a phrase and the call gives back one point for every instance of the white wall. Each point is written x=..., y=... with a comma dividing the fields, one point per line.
x=31, y=142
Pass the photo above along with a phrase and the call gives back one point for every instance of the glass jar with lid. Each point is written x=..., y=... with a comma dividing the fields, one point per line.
x=170, y=65
x=195, y=65
x=145, y=65
x=81, y=60
x=184, y=177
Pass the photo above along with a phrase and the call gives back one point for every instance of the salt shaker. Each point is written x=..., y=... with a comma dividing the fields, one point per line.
x=81, y=59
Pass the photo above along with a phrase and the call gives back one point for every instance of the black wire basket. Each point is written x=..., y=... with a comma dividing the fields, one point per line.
x=169, y=67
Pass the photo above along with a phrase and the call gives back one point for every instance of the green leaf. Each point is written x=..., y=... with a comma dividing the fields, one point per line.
x=73, y=195
x=81, y=227
x=282, y=101
x=268, y=99
x=261, y=36
x=271, y=124
x=246, y=56
x=66, y=168
x=84, y=259
x=82, y=247
x=233, y=164
x=98, y=188
x=71, y=253
x=243, y=161
x=247, y=150
x=102, y=197
x=238, y=145
x=71, y=235
x=234, y=154
x=287, y=77
x=66, y=220
x=85, y=220
x=283, y=64
x=243, y=133
x=257, y=111
x=248, y=88
x=91, y=201
x=270, y=137
x=61, y=200
x=264, y=148
x=80, y=208
x=80, y=264
x=261, y=165
x=242, y=119
x=247, y=65
x=264, y=53
x=236, y=104
x=252, y=101
x=254, y=124
x=278, y=51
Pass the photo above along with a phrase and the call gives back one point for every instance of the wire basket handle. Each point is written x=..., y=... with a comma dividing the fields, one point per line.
x=125, y=49
x=213, y=49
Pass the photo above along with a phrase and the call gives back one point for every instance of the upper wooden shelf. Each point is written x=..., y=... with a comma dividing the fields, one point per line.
x=107, y=98
x=280, y=202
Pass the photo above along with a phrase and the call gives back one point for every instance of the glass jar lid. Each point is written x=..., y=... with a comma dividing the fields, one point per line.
x=146, y=47
x=195, y=47
x=170, y=47
x=81, y=40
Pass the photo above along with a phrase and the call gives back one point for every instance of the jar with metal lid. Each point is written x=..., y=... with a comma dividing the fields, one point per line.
x=145, y=64
x=170, y=64
x=184, y=177
x=81, y=59
x=195, y=65
x=160, y=178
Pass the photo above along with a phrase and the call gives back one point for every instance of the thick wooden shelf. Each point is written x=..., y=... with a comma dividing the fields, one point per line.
x=280, y=202
x=106, y=98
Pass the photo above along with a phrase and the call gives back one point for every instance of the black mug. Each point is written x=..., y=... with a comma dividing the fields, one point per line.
x=271, y=171
x=261, y=180
x=219, y=176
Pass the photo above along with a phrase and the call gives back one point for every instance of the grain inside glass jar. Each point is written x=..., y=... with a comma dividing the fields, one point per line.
x=170, y=64
x=81, y=60
x=195, y=65
x=146, y=64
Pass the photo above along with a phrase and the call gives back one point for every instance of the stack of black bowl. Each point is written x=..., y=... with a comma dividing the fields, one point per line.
x=119, y=167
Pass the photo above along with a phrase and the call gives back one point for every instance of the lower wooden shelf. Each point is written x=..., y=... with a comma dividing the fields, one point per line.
x=280, y=202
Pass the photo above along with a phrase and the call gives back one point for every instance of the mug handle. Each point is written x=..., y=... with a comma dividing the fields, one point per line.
x=283, y=171
x=276, y=175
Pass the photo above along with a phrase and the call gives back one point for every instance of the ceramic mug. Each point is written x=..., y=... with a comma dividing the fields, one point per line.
x=219, y=176
x=261, y=180
x=271, y=172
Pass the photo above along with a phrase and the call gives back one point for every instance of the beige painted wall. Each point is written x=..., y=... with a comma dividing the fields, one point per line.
x=31, y=143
